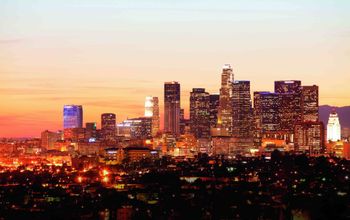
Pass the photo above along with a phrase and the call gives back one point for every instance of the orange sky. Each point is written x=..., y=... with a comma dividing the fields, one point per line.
x=108, y=55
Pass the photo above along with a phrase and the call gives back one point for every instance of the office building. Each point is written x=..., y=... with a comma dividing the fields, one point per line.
x=225, y=102
x=152, y=110
x=291, y=112
x=72, y=116
x=136, y=128
x=309, y=137
x=48, y=139
x=241, y=110
x=90, y=131
x=310, y=103
x=213, y=109
x=199, y=113
x=172, y=108
x=108, y=126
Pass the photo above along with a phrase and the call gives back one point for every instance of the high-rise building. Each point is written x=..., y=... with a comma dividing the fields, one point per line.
x=266, y=114
x=172, y=108
x=152, y=110
x=310, y=103
x=309, y=137
x=72, y=116
x=136, y=128
x=333, y=127
x=291, y=103
x=48, y=139
x=225, y=102
x=199, y=113
x=149, y=106
x=108, y=126
x=213, y=109
x=241, y=110
x=267, y=111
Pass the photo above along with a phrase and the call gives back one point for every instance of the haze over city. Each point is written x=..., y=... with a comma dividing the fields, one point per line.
x=109, y=55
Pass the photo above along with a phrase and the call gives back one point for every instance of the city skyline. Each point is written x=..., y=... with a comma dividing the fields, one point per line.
x=142, y=108
x=49, y=60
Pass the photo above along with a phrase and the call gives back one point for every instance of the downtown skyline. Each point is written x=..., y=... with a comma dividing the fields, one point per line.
x=49, y=60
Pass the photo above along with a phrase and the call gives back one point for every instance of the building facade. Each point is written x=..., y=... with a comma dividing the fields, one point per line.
x=310, y=103
x=333, y=127
x=108, y=126
x=72, y=116
x=200, y=113
x=152, y=110
x=241, y=110
x=213, y=109
x=225, y=101
x=172, y=108
x=309, y=137
x=291, y=110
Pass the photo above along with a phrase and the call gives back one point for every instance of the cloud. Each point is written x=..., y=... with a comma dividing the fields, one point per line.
x=10, y=41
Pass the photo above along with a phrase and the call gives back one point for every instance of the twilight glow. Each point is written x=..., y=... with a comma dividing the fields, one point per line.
x=109, y=55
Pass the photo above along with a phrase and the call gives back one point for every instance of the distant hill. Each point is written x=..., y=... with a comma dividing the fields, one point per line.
x=343, y=113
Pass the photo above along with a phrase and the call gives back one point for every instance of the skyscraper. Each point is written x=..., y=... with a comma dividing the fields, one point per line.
x=310, y=103
x=267, y=111
x=108, y=126
x=199, y=113
x=241, y=110
x=213, y=109
x=72, y=116
x=333, y=127
x=225, y=103
x=266, y=115
x=290, y=92
x=172, y=108
x=152, y=110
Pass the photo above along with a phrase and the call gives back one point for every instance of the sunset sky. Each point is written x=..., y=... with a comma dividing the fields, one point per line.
x=109, y=55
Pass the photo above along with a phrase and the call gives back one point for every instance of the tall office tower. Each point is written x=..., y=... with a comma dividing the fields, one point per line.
x=199, y=113
x=213, y=109
x=333, y=127
x=172, y=108
x=266, y=114
x=225, y=102
x=291, y=103
x=310, y=103
x=241, y=110
x=48, y=139
x=72, y=116
x=149, y=106
x=152, y=110
x=90, y=131
x=309, y=137
x=108, y=126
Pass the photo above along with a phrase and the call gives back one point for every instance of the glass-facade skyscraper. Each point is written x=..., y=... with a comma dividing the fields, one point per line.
x=72, y=116
x=290, y=92
x=310, y=103
x=172, y=108
x=241, y=110
x=225, y=102
x=152, y=110
x=108, y=126
x=199, y=113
